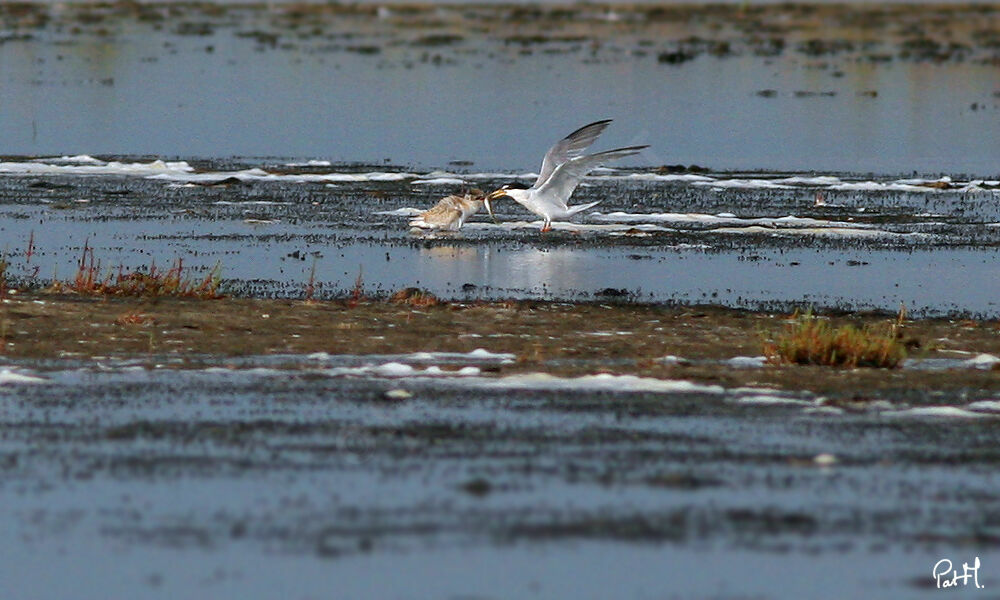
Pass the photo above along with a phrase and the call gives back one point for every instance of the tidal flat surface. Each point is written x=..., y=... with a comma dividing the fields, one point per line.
x=745, y=240
x=490, y=449
x=590, y=415
x=480, y=472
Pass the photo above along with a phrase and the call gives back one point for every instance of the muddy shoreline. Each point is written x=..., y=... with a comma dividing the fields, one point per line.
x=189, y=447
x=564, y=339
x=440, y=34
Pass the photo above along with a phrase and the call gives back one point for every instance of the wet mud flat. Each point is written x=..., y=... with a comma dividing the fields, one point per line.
x=441, y=34
x=592, y=428
x=215, y=447
x=710, y=345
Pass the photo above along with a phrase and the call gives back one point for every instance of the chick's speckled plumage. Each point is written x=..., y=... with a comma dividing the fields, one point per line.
x=450, y=212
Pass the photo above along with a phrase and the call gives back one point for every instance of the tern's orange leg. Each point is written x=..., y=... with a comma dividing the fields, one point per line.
x=547, y=227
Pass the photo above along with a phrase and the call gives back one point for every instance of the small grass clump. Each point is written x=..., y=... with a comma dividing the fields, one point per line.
x=132, y=318
x=358, y=293
x=415, y=297
x=149, y=283
x=812, y=341
x=310, y=288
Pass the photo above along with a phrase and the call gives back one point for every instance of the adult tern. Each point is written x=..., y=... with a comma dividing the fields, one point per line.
x=563, y=167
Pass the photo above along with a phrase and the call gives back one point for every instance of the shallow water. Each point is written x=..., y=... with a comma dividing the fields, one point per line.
x=224, y=476
x=252, y=82
x=222, y=480
x=721, y=238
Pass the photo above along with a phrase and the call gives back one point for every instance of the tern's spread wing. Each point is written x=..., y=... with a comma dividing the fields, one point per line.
x=567, y=176
x=569, y=147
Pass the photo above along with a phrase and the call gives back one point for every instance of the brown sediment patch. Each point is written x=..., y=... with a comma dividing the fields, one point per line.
x=559, y=338
x=673, y=34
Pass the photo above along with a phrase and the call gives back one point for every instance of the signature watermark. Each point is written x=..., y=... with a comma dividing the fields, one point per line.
x=947, y=576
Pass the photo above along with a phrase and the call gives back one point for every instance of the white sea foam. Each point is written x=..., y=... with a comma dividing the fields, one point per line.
x=982, y=361
x=917, y=181
x=251, y=203
x=823, y=180
x=789, y=221
x=79, y=159
x=182, y=172
x=81, y=166
x=835, y=183
x=485, y=354
x=9, y=376
x=310, y=163
x=601, y=382
x=756, y=184
x=682, y=177
x=823, y=410
x=819, y=231
x=400, y=212
x=985, y=406
x=770, y=399
x=479, y=354
x=262, y=175
x=565, y=226
x=394, y=370
x=877, y=186
x=728, y=223
x=438, y=181
x=747, y=390
x=936, y=411
x=747, y=362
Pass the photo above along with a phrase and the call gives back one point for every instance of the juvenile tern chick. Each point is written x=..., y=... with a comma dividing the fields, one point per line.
x=450, y=213
x=563, y=167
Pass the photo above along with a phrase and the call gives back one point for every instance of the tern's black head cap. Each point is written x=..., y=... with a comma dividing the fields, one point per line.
x=515, y=185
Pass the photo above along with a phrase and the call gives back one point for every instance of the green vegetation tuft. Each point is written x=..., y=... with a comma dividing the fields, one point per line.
x=415, y=297
x=813, y=341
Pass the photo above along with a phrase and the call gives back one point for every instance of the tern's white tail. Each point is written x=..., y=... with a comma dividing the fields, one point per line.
x=572, y=210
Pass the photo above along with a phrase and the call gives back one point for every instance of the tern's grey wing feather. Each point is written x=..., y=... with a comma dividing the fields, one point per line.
x=567, y=176
x=569, y=147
